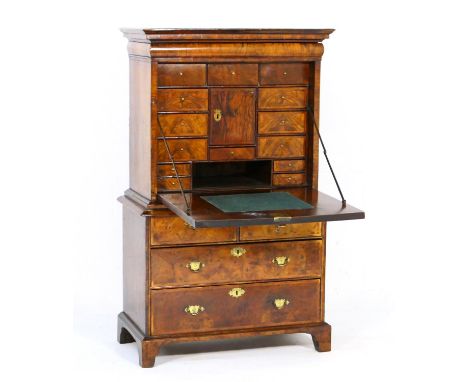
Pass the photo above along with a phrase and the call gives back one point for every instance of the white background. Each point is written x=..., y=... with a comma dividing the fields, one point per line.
x=394, y=116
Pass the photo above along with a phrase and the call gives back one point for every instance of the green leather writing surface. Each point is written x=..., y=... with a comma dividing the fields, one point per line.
x=265, y=201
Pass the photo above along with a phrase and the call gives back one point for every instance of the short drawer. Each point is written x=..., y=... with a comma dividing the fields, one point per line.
x=288, y=165
x=244, y=262
x=287, y=231
x=282, y=98
x=284, y=74
x=172, y=230
x=182, y=100
x=232, y=153
x=277, y=122
x=184, y=125
x=205, y=309
x=232, y=74
x=173, y=184
x=182, y=149
x=281, y=147
x=183, y=169
x=288, y=179
x=181, y=74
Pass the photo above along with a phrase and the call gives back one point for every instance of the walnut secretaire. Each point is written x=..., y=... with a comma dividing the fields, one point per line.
x=224, y=228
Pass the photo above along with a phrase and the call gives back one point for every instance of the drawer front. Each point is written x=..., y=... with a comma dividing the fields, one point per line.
x=204, y=309
x=181, y=74
x=173, y=184
x=232, y=153
x=288, y=165
x=244, y=262
x=167, y=170
x=288, y=179
x=282, y=98
x=232, y=74
x=281, y=147
x=182, y=100
x=290, y=122
x=172, y=230
x=288, y=231
x=184, y=125
x=284, y=74
x=183, y=149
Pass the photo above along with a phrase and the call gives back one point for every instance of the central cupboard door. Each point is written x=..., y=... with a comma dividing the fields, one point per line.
x=232, y=116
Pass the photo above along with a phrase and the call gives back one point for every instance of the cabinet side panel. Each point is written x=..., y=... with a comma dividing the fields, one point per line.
x=134, y=266
x=140, y=126
x=314, y=99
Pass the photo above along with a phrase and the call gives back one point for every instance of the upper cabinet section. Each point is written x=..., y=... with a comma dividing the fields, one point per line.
x=227, y=43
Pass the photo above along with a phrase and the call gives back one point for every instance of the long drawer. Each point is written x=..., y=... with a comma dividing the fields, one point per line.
x=205, y=309
x=224, y=263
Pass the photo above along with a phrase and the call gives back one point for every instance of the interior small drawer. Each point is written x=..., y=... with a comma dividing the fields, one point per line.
x=172, y=230
x=281, y=147
x=232, y=74
x=173, y=184
x=181, y=74
x=288, y=165
x=287, y=231
x=288, y=179
x=183, y=169
x=286, y=122
x=183, y=125
x=202, y=265
x=234, y=306
x=282, y=98
x=182, y=149
x=182, y=100
x=232, y=153
x=284, y=74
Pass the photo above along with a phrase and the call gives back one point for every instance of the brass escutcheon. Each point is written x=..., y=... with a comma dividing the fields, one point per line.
x=217, y=115
x=280, y=303
x=236, y=292
x=194, y=309
x=238, y=251
x=281, y=261
x=195, y=266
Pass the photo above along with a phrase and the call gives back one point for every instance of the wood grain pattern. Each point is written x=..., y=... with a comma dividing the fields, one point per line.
x=288, y=165
x=182, y=75
x=282, y=98
x=288, y=122
x=284, y=74
x=232, y=153
x=232, y=74
x=183, y=100
x=183, y=169
x=281, y=147
x=237, y=124
x=172, y=230
x=221, y=311
x=288, y=179
x=183, y=149
x=218, y=265
x=275, y=232
x=173, y=184
x=184, y=125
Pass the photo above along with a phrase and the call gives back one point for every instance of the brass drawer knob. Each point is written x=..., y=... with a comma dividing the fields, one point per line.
x=238, y=251
x=182, y=99
x=181, y=74
x=195, y=266
x=285, y=73
x=236, y=292
x=233, y=73
x=280, y=303
x=194, y=309
x=280, y=261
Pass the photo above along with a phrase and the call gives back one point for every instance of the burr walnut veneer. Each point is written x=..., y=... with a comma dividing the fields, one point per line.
x=223, y=112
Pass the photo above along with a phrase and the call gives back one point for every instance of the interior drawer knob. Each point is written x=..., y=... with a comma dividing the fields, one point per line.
x=238, y=251
x=195, y=266
x=280, y=303
x=194, y=309
x=281, y=261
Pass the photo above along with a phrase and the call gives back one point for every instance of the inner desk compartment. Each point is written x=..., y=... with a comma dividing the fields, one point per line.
x=232, y=175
